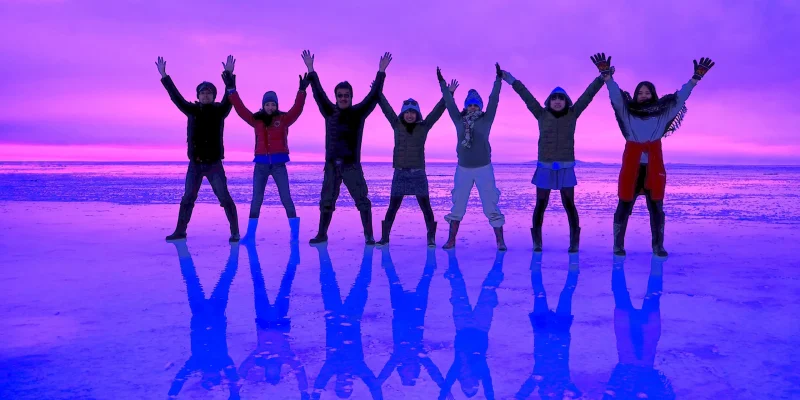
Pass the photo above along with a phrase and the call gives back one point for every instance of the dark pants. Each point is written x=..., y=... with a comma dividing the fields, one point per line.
x=215, y=173
x=353, y=177
x=261, y=174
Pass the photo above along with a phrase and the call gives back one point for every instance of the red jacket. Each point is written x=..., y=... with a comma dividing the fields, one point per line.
x=656, y=181
x=271, y=139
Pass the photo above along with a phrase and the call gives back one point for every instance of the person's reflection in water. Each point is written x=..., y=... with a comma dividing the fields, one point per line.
x=551, y=337
x=273, y=325
x=637, y=332
x=344, y=351
x=409, y=355
x=209, y=325
x=472, y=329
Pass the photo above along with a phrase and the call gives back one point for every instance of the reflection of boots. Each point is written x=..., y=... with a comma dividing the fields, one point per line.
x=451, y=239
x=233, y=220
x=294, y=225
x=386, y=228
x=324, y=223
x=184, y=215
x=657, y=230
x=250, y=235
x=294, y=256
x=536, y=233
x=501, y=243
x=366, y=222
x=574, y=239
x=432, y=234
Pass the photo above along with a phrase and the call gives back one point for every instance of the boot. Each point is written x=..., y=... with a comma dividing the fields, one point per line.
x=233, y=220
x=619, y=237
x=432, y=234
x=574, y=239
x=366, y=221
x=451, y=239
x=184, y=215
x=294, y=225
x=250, y=235
x=324, y=223
x=536, y=233
x=501, y=243
x=386, y=228
x=657, y=230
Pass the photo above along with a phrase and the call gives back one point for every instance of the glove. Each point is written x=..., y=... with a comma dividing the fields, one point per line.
x=602, y=63
x=701, y=68
x=499, y=71
x=229, y=79
x=304, y=82
x=439, y=74
x=509, y=78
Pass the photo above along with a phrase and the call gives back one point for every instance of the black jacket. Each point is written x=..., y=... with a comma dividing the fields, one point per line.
x=345, y=128
x=204, y=126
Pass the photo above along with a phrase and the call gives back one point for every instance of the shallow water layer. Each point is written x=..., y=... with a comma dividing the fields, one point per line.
x=95, y=305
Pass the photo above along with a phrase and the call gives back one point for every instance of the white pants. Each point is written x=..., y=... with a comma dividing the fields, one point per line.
x=483, y=178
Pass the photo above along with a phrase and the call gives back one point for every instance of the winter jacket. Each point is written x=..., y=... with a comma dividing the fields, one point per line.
x=204, y=127
x=344, y=128
x=557, y=135
x=409, y=147
x=271, y=139
x=480, y=154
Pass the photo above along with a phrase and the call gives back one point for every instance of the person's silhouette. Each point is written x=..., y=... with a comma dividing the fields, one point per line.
x=551, y=337
x=344, y=351
x=408, y=324
x=209, y=345
x=638, y=332
x=472, y=329
x=274, y=348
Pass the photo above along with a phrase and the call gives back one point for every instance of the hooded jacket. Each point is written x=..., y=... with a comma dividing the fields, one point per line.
x=409, y=147
x=272, y=139
x=204, y=126
x=557, y=133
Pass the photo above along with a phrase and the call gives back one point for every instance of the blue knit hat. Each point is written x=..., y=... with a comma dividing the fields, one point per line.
x=473, y=98
x=207, y=85
x=269, y=96
x=411, y=104
x=558, y=90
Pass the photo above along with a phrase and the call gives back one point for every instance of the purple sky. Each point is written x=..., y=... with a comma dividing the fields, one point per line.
x=79, y=80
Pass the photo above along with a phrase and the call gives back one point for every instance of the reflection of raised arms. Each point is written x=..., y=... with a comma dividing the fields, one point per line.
x=323, y=102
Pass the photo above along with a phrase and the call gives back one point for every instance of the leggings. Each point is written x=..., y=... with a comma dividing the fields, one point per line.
x=567, y=199
x=424, y=204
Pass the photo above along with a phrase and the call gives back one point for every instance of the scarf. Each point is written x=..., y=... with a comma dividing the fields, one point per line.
x=652, y=109
x=469, y=122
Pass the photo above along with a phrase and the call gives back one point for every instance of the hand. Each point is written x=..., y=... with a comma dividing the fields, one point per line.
x=701, y=68
x=308, y=59
x=162, y=67
x=607, y=77
x=229, y=64
x=602, y=63
x=385, y=60
x=439, y=74
x=229, y=79
x=499, y=71
x=452, y=86
x=304, y=81
x=508, y=78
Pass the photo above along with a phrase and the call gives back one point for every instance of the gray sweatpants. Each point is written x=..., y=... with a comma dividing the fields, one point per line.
x=483, y=178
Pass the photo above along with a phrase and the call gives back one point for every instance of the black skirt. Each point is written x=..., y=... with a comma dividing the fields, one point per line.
x=410, y=182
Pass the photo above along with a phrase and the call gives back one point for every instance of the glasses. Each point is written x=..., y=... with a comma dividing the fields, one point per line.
x=342, y=95
x=410, y=103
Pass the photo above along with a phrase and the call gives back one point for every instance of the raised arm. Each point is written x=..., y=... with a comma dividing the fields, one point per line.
x=180, y=379
x=449, y=102
x=325, y=374
x=435, y=114
x=494, y=96
x=373, y=383
x=368, y=104
x=323, y=102
x=174, y=95
x=387, y=110
x=240, y=108
x=230, y=82
x=299, y=372
x=587, y=96
x=452, y=375
x=682, y=95
x=533, y=105
x=299, y=102
x=615, y=94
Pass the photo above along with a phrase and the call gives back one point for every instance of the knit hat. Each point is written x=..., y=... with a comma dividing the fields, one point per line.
x=269, y=96
x=558, y=90
x=207, y=85
x=473, y=98
x=411, y=104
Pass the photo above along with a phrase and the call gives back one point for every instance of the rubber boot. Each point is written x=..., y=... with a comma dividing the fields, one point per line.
x=657, y=230
x=619, y=237
x=574, y=239
x=501, y=243
x=324, y=223
x=536, y=234
x=451, y=239
x=432, y=234
x=250, y=235
x=233, y=220
x=294, y=225
x=366, y=222
x=184, y=215
x=386, y=228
